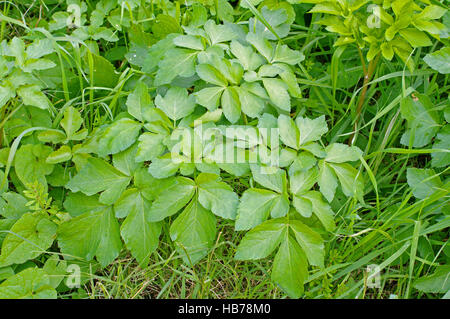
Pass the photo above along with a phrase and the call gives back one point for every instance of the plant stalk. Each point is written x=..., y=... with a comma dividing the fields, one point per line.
x=368, y=73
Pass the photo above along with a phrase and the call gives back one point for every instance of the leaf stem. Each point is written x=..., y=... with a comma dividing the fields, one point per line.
x=368, y=73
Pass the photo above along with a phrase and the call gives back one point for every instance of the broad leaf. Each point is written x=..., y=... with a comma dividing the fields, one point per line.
x=278, y=93
x=310, y=241
x=423, y=182
x=31, y=283
x=340, y=153
x=176, y=103
x=439, y=60
x=99, y=176
x=95, y=233
x=255, y=207
x=217, y=196
x=118, y=136
x=290, y=268
x=321, y=209
x=311, y=130
x=231, y=104
x=172, y=199
x=141, y=237
x=71, y=121
x=271, y=177
x=30, y=236
x=262, y=240
x=289, y=133
x=193, y=232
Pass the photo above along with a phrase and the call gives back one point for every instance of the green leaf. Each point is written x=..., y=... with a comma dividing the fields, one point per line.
x=209, y=97
x=432, y=12
x=13, y=205
x=310, y=241
x=284, y=54
x=194, y=232
x=255, y=207
x=99, y=176
x=351, y=180
x=231, y=104
x=303, y=181
x=439, y=60
x=56, y=269
x=95, y=233
x=311, y=130
x=262, y=240
x=423, y=182
x=139, y=102
x=280, y=206
x=125, y=161
x=199, y=15
x=31, y=283
x=210, y=74
x=247, y=57
x=176, y=103
x=30, y=236
x=219, y=33
x=32, y=95
x=172, y=199
x=387, y=51
x=5, y=272
x=290, y=268
x=278, y=93
x=441, y=159
x=71, y=121
x=179, y=62
x=149, y=186
x=30, y=165
x=6, y=93
x=415, y=37
x=39, y=48
x=290, y=79
x=63, y=154
x=302, y=205
x=321, y=209
x=289, y=133
x=326, y=7
x=438, y=282
x=262, y=45
x=165, y=25
x=118, y=136
x=225, y=11
x=274, y=26
x=217, y=196
x=103, y=72
x=251, y=97
x=423, y=120
x=340, y=153
x=303, y=162
x=327, y=181
x=77, y=204
x=141, y=237
x=271, y=177
x=150, y=147
x=163, y=167
x=52, y=136
x=40, y=64
x=189, y=42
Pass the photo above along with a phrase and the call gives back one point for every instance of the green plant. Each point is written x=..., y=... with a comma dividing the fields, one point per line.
x=170, y=143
